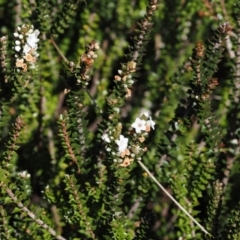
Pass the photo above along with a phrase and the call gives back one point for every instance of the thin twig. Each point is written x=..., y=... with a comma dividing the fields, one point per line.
x=134, y=207
x=172, y=198
x=58, y=50
x=33, y=216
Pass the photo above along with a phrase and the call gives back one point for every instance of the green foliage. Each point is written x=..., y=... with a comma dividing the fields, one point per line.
x=90, y=92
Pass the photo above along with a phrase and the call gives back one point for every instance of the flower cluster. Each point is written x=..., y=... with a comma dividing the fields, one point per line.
x=81, y=73
x=24, y=174
x=144, y=123
x=87, y=60
x=127, y=153
x=125, y=76
x=26, y=44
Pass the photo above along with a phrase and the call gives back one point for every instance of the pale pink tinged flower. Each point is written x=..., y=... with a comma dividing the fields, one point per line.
x=106, y=138
x=148, y=128
x=117, y=78
x=141, y=139
x=24, y=67
x=139, y=125
x=126, y=152
x=19, y=63
x=33, y=59
x=151, y=123
x=122, y=143
x=129, y=93
x=127, y=161
x=29, y=58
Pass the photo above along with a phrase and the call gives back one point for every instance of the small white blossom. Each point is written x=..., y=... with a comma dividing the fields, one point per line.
x=26, y=49
x=122, y=143
x=151, y=123
x=139, y=125
x=106, y=138
x=130, y=81
x=17, y=48
x=32, y=38
x=17, y=42
x=24, y=174
x=144, y=123
x=120, y=72
x=234, y=141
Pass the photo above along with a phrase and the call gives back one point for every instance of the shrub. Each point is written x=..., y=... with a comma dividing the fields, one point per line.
x=120, y=120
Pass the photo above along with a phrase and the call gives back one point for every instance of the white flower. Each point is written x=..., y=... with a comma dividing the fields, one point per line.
x=120, y=72
x=26, y=49
x=122, y=143
x=17, y=48
x=106, y=138
x=234, y=141
x=31, y=41
x=24, y=174
x=139, y=125
x=151, y=123
x=17, y=42
x=32, y=38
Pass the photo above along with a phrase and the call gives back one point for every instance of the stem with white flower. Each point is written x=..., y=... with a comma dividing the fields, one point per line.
x=26, y=45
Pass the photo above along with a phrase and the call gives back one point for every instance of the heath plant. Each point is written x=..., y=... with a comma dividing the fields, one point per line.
x=119, y=120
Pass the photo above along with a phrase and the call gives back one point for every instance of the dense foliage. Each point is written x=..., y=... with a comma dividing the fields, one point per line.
x=119, y=119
